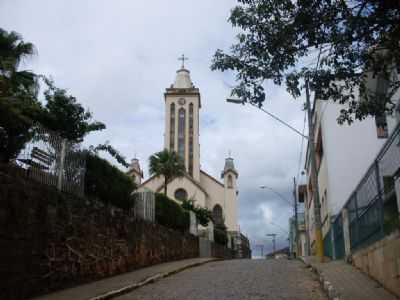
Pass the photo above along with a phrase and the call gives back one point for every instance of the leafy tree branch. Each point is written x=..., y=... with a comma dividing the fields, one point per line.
x=278, y=37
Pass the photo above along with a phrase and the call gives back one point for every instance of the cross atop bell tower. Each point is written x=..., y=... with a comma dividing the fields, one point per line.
x=183, y=58
x=182, y=105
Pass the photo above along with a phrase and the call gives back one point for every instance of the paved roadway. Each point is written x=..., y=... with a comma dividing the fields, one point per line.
x=236, y=279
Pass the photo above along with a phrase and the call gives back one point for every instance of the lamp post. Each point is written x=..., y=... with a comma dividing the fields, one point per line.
x=265, y=187
x=239, y=101
x=294, y=205
x=262, y=249
x=314, y=180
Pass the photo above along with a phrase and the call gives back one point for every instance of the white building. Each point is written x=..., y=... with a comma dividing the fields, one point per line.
x=182, y=107
x=344, y=155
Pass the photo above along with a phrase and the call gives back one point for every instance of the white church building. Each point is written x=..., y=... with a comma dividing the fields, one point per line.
x=182, y=108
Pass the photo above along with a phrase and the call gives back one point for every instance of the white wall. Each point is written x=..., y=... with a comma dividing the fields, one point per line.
x=156, y=185
x=225, y=197
x=349, y=151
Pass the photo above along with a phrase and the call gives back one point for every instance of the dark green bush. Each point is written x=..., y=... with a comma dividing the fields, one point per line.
x=107, y=183
x=220, y=235
x=203, y=215
x=171, y=214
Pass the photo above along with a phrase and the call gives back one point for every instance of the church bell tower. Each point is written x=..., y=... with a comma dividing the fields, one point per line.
x=182, y=105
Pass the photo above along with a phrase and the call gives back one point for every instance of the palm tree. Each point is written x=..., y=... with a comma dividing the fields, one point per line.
x=13, y=50
x=18, y=94
x=168, y=164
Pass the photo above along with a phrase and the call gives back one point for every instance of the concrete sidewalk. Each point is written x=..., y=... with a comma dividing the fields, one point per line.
x=342, y=281
x=120, y=284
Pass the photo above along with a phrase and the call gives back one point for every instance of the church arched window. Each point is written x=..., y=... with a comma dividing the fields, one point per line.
x=230, y=182
x=181, y=132
x=180, y=194
x=191, y=139
x=172, y=128
x=217, y=215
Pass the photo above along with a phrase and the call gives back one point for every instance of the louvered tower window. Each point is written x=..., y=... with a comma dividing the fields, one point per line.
x=181, y=132
x=191, y=139
x=172, y=128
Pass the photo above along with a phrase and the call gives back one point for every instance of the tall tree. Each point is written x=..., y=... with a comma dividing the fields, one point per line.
x=167, y=164
x=13, y=50
x=331, y=43
x=18, y=95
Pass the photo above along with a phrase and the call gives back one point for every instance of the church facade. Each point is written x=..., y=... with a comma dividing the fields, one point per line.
x=182, y=109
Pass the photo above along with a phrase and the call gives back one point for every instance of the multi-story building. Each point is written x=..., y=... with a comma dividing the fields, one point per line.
x=344, y=154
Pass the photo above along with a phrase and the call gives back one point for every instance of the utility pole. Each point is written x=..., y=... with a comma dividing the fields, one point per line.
x=273, y=235
x=314, y=180
x=262, y=249
x=296, y=221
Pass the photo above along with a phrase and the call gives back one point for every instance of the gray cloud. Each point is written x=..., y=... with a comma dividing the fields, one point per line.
x=117, y=57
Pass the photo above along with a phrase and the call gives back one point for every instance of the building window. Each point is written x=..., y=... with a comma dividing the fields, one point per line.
x=382, y=86
x=230, y=182
x=324, y=207
x=191, y=139
x=172, y=128
x=181, y=133
x=217, y=215
x=319, y=149
x=381, y=126
x=180, y=194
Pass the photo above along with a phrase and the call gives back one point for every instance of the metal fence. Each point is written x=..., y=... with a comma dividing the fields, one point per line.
x=366, y=205
x=338, y=237
x=144, y=207
x=328, y=250
x=53, y=160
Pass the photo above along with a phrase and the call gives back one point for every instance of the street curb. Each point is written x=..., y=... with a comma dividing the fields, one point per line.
x=151, y=279
x=329, y=289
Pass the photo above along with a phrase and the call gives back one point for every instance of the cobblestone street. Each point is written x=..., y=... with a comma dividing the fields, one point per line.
x=236, y=279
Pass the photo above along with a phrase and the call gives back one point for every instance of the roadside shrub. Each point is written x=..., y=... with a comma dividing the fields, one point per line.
x=171, y=214
x=220, y=235
x=203, y=215
x=107, y=183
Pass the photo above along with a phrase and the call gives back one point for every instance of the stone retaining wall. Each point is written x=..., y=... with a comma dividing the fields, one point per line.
x=50, y=241
x=381, y=261
x=220, y=251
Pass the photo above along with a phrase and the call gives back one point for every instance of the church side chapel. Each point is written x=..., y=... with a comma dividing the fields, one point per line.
x=182, y=107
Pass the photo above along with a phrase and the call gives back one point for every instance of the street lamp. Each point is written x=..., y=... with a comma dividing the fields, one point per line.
x=239, y=101
x=276, y=193
x=294, y=205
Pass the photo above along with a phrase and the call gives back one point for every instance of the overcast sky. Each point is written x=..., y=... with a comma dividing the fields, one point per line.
x=117, y=57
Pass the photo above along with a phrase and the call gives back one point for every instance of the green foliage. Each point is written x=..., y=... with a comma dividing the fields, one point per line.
x=171, y=214
x=18, y=95
x=16, y=126
x=203, y=215
x=20, y=110
x=220, y=234
x=331, y=43
x=107, y=183
x=62, y=113
x=112, y=151
x=13, y=50
x=168, y=164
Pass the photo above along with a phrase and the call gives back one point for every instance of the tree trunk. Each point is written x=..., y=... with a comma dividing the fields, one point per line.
x=165, y=186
